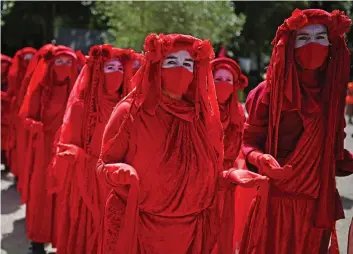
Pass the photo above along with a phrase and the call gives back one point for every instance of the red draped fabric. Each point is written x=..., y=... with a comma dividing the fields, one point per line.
x=20, y=144
x=175, y=146
x=233, y=119
x=73, y=171
x=298, y=117
x=42, y=112
x=5, y=104
x=231, y=111
x=15, y=77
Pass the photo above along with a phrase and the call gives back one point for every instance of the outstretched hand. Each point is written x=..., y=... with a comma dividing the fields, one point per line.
x=121, y=174
x=271, y=168
x=244, y=178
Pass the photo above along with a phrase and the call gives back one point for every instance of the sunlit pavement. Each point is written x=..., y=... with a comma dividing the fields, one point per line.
x=13, y=233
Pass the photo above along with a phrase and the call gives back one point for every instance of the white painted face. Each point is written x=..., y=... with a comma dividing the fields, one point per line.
x=312, y=33
x=223, y=75
x=181, y=58
x=28, y=56
x=63, y=60
x=113, y=66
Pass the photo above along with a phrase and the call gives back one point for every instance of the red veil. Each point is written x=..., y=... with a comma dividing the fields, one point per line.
x=73, y=178
x=282, y=92
x=42, y=110
x=231, y=112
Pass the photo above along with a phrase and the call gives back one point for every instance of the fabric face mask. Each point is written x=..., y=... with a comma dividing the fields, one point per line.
x=177, y=72
x=176, y=80
x=113, y=81
x=311, y=56
x=113, y=75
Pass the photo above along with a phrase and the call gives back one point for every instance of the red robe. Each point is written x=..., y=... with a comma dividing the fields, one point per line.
x=292, y=202
x=81, y=193
x=175, y=213
x=45, y=104
x=16, y=75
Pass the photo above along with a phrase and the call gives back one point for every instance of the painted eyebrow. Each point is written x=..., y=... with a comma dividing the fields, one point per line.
x=321, y=33
x=171, y=57
x=188, y=60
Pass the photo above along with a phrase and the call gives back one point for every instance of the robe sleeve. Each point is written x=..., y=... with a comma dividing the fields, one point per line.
x=256, y=125
x=32, y=105
x=72, y=129
x=115, y=138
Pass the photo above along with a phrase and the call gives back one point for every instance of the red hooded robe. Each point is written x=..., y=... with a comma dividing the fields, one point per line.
x=82, y=196
x=5, y=104
x=175, y=146
x=303, y=128
x=15, y=77
x=43, y=110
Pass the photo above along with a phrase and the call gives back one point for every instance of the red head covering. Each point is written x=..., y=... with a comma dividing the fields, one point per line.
x=231, y=112
x=5, y=66
x=81, y=58
x=138, y=60
x=284, y=93
x=90, y=88
x=31, y=67
x=43, y=75
x=18, y=70
x=240, y=82
x=201, y=91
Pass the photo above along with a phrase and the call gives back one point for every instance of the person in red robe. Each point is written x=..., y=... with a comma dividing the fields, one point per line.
x=103, y=82
x=349, y=102
x=6, y=62
x=16, y=74
x=21, y=132
x=228, y=81
x=162, y=155
x=42, y=112
x=295, y=133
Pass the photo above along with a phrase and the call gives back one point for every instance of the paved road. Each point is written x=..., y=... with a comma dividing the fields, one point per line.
x=13, y=224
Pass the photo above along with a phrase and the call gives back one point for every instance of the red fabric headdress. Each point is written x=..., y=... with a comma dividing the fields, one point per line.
x=31, y=67
x=18, y=70
x=43, y=74
x=148, y=79
x=240, y=83
x=81, y=59
x=89, y=86
x=284, y=93
x=6, y=62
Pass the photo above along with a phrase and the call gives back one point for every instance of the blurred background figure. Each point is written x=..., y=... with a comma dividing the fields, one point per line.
x=349, y=102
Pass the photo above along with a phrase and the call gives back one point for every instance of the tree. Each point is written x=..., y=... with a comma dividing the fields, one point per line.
x=131, y=21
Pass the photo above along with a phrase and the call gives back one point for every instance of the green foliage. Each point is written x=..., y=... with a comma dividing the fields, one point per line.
x=131, y=21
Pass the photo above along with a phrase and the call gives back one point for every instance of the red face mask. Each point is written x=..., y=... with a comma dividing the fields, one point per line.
x=113, y=81
x=62, y=72
x=223, y=90
x=311, y=56
x=176, y=80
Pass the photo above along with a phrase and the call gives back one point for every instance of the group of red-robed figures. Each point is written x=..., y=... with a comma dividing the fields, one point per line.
x=113, y=157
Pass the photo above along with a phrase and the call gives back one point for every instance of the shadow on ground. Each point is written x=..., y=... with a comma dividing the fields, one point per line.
x=16, y=241
x=347, y=203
